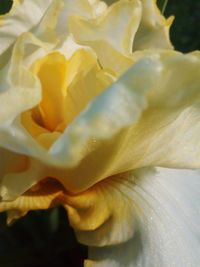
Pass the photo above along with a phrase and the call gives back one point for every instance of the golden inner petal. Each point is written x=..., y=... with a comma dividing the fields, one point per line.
x=67, y=87
x=52, y=72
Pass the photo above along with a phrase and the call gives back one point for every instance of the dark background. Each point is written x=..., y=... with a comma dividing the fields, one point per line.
x=44, y=238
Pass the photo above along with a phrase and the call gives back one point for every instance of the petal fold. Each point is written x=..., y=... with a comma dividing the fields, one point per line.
x=132, y=124
x=48, y=195
x=168, y=223
x=112, y=45
x=153, y=32
x=23, y=17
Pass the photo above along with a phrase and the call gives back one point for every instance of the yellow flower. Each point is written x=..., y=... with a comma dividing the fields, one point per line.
x=96, y=111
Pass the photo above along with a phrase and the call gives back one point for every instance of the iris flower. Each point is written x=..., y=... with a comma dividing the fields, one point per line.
x=99, y=114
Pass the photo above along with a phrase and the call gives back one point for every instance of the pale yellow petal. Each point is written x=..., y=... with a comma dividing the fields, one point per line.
x=23, y=17
x=21, y=89
x=19, y=162
x=85, y=80
x=173, y=107
x=132, y=123
x=111, y=34
x=83, y=64
x=105, y=213
x=68, y=86
x=116, y=127
x=17, y=174
x=153, y=31
x=49, y=195
x=85, y=8
x=123, y=15
x=13, y=183
x=46, y=30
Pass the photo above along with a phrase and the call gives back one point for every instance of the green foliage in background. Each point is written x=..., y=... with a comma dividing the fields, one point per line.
x=44, y=238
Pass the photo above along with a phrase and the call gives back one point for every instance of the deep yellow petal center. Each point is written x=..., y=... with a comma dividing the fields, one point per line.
x=67, y=87
x=52, y=72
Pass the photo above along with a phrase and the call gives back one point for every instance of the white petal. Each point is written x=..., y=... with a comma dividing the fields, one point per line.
x=22, y=18
x=85, y=8
x=153, y=31
x=116, y=126
x=111, y=34
x=168, y=223
x=21, y=90
x=125, y=15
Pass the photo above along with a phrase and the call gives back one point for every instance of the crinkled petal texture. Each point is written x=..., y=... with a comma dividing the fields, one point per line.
x=140, y=211
x=110, y=31
x=23, y=17
x=167, y=214
x=82, y=131
x=44, y=195
x=138, y=25
x=42, y=113
x=131, y=124
x=134, y=219
x=21, y=90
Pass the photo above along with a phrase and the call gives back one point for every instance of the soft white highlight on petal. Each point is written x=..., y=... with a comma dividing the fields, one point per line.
x=111, y=34
x=23, y=89
x=168, y=223
x=127, y=124
x=86, y=8
x=125, y=15
x=24, y=17
x=46, y=29
x=69, y=46
x=150, y=139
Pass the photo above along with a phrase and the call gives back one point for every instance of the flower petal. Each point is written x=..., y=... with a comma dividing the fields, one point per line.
x=21, y=90
x=123, y=15
x=112, y=45
x=104, y=214
x=14, y=182
x=116, y=126
x=18, y=162
x=85, y=8
x=86, y=80
x=153, y=32
x=132, y=123
x=23, y=17
x=143, y=218
x=168, y=223
x=173, y=105
x=49, y=195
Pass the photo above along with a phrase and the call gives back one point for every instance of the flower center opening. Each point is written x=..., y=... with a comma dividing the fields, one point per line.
x=52, y=72
x=67, y=87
